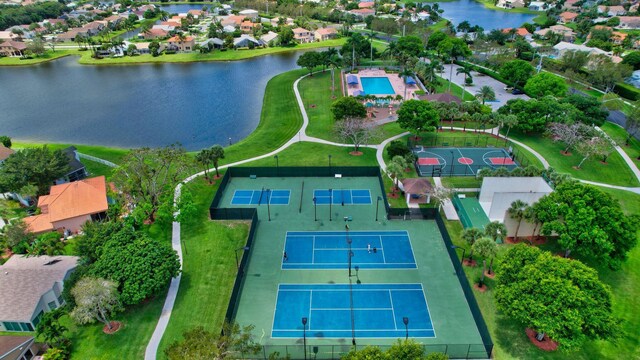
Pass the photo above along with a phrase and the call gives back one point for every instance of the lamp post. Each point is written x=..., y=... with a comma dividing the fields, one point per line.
x=350, y=254
x=304, y=336
x=229, y=140
x=277, y=166
x=330, y=198
x=268, y=206
x=451, y=171
x=357, y=275
x=377, y=203
x=405, y=320
x=245, y=248
x=315, y=209
x=329, y=162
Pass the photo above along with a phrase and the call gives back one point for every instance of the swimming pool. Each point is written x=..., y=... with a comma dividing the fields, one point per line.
x=377, y=86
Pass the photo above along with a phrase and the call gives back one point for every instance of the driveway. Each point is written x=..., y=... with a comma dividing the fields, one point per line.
x=480, y=80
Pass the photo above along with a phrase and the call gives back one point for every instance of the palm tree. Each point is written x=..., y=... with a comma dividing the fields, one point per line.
x=531, y=215
x=204, y=158
x=395, y=170
x=485, y=248
x=217, y=153
x=334, y=63
x=485, y=93
x=370, y=36
x=470, y=235
x=517, y=212
x=466, y=70
x=509, y=121
x=495, y=230
x=404, y=74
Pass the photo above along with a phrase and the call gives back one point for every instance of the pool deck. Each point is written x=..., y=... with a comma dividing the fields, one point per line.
x=396, y=82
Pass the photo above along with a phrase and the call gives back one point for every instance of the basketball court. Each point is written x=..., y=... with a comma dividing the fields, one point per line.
x=452, y=161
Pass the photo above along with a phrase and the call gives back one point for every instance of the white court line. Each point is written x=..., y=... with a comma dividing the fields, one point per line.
x=310, y=298
x=469, y=166
x=393, y=311
x=384, y=260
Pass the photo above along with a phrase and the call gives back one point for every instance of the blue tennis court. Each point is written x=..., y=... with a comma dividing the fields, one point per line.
x=377, y=312
x=330, y=250
x=257, y=197
x=342, y=196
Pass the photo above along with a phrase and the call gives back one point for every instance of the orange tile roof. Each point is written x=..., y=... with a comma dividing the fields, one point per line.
x=5, y=152
x=70, y=200
x=326, y=31
x=177, y=39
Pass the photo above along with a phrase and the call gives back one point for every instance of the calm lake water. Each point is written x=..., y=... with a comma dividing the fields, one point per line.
x=476, y=14
x=198, y=104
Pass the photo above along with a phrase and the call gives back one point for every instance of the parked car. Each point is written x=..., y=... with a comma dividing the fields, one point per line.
x=508, y=88
x=517, y=92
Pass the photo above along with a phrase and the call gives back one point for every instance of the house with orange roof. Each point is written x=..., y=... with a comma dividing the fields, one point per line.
x=5, y=152
x=567, y=17
x=233, y=20
x=12, y=48
x=181, y=45
x=323, y=34
x=302, y=35
x=519, y=32
x=366, y=4
x=69, y=206
x=362, y=13
x=248, y=26
x=629, y=22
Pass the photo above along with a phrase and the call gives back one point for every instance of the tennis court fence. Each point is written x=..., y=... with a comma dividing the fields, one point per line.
x=462, y=212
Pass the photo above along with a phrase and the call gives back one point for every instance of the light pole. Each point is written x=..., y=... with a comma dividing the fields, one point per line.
x=405, y=320
x=268, y=206
x=315, y=209
x=277, y=166
x=245, y=248
x=350, y=254
x=330, y=198
x=229, y=140
x=377, y=203
x=451, y=172
x=357, y=275
x=329, y=162
x=304, y=336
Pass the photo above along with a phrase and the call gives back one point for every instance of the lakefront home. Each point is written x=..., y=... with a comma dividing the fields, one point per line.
x=12, y=48
x=323, y=34
x=302, y=35
x=180, y=45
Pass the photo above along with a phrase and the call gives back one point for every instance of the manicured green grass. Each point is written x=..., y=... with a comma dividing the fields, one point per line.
x=540, y=19
x=115, y=155
x=615, y=172
x=213, y=56
x=97, y=169
x=280, y=120
x=619, y=135
x=47, y=56
x=489, y=4
x=461, y=182
x=314, y=154
x=439, y=25
x=209, y=268
x=455, y=90
x=316, y=94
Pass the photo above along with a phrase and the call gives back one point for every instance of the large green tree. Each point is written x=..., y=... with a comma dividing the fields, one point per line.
x=417, y=116
x=534, y=115
x=517, y=71
x=544, y=84
x=234, y=342
x=38, y=167
x=141, y=265
x=410, y=45
x=310, y=60
x=348, y=107
x=561, y=298
x=591, y=223
x=95, y=299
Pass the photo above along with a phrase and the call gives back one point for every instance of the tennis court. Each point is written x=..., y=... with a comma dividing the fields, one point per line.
x=342, y=196
x=330, y=250
x=344, y=310
x=452, y=161
x=257, y=197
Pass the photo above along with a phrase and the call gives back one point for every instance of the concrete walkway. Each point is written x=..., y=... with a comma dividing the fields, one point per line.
x=154, y=342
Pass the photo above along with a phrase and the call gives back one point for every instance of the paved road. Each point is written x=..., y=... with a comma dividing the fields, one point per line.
x=480, y=80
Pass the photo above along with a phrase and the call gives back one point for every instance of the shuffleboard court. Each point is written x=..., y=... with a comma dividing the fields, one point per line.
x=257, y=197
x=342, y=196
x=330, y=250
x=345, y=310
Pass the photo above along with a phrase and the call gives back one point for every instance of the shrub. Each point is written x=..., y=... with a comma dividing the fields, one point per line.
x=396, y=148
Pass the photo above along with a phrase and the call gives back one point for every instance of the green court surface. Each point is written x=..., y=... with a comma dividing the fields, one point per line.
x=470, y=212
x=453, y=326
x=452, y=161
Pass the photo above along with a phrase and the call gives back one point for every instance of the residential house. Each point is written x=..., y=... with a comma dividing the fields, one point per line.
x=93, y=28
x=214, y=43
x=247, y=27
x=19, y=348
x=269, y=37
x=618, y=37
x=77, y=170
x=177, y=44
x=153, y=34
x=567, y=17
x=362, y=13
x=562, y=47
x=519, y=32
x=302, y=35
x=538, y=6
x=421, y=16
x=71, y=35
x=7, y=35
x=366, y=5
x=249, y=13
x=276, y=21
x=5, y=152
x=12, y=48
x=323, y=34
x=567, y=33
x=232, y=20
x=629, y=22
x=634, y=8
x=69, y=206
x=32, y=286
x=510, y=4
x=166, y=26
x=228, y=29
x=611, y=10
x=245, y=41
x=196, y=13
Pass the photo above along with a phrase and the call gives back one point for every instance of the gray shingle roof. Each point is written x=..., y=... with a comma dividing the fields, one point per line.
x=24, y=280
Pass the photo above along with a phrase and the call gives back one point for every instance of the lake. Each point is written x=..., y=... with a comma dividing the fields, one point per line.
x=196, y=104
x=476, y=14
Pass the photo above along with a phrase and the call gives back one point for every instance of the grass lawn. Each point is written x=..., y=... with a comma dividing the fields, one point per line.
x=615, y=172
x=540, y=19
x=508, y=336
x=461, y=182
x=209, y=268
x=279, y=121
x=455, y=90
x=314, y=154
x=316, y=94
x=114, y=155
x=489, y=4
x=440, y=25
x=47, y=56
x=213, y=56
x=619, y=135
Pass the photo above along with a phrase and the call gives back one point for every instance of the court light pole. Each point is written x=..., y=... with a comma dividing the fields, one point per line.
x=268, y=206
x=277, y=166
x=377, y=203
x=304, y=336
x=451, y=172
x=405, y=320
x=350, y=254
x=315, y=209
x=245, y=248
x=330, y=198
x=357, y=274
x=329, y=162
